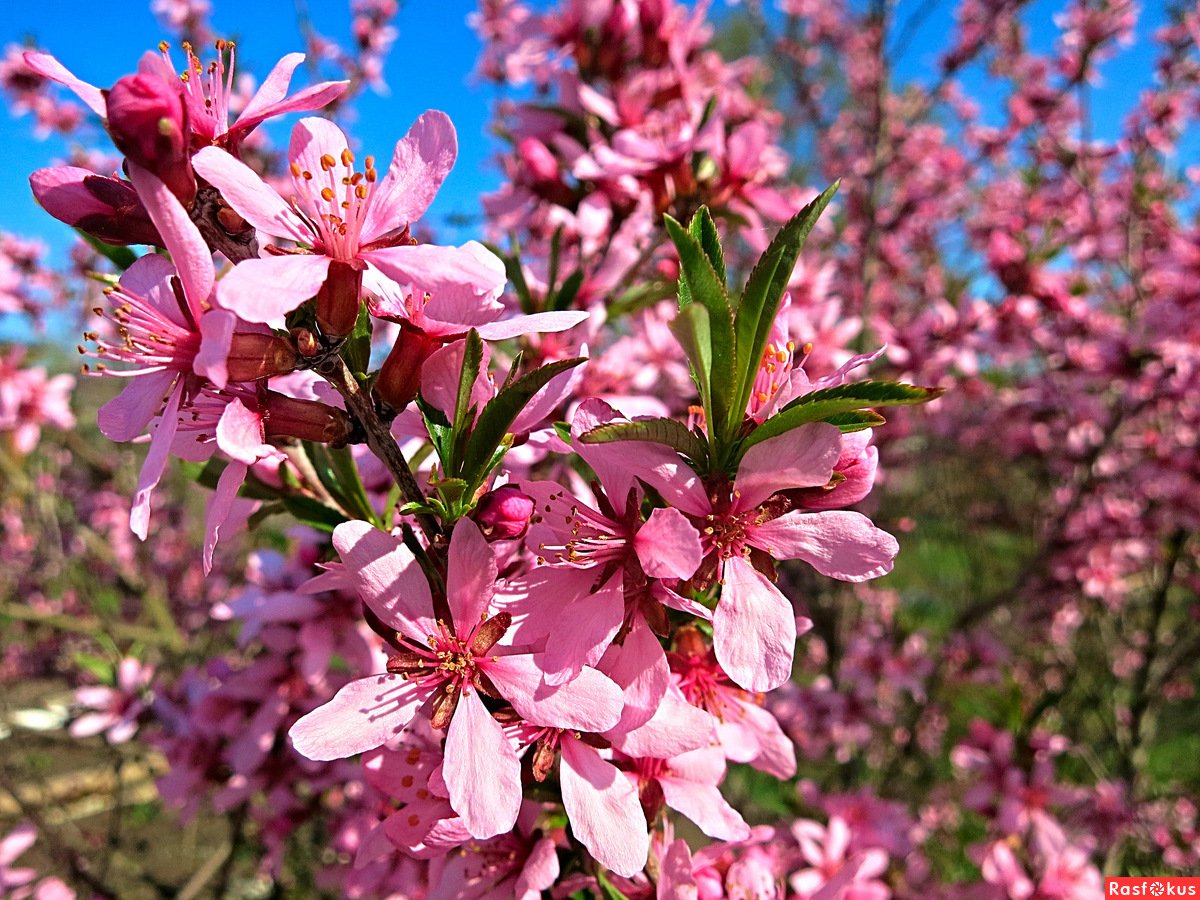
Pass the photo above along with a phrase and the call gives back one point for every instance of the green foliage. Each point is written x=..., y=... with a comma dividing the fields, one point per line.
x=656, y=431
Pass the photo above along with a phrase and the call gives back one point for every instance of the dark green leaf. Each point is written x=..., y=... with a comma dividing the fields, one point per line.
x=313, y=513
x=692, y=330
x=569, y=291
x=705, y=289
x=351, y=492
x=498, y=415
x=819, y=406
x=121, y=257
x=656, y=431
x=704, y=230
x=857, y=420
x=761, y=298
x=472, y=357
x=357, y=349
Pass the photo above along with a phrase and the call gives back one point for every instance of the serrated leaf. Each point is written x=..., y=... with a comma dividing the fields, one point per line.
x=472, y=358
x=499, y=413
x=707, y=290
x=441, y=433
x=704, y=230
x=761, y=297
x=691, y=329
x=655, y=431
x=819, y=406
x=357, y=350
x=858, y=420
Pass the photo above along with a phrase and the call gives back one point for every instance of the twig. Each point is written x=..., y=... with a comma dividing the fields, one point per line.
x=379, y=438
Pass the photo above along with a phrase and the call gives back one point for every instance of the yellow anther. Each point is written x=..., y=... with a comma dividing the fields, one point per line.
x=347, y=158
x=295, y=167
x=327, y=162
x=327, y=193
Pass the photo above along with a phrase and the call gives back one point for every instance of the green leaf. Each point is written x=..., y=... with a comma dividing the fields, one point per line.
x=704, y=230
x=691, y=329
x=566, y=294
x=357, y=350
x=858, y=420
x=441, y=433
x=655, y=431
x=464, y=412
x=121, y=257
x=499, y=414
x=352, y=493
x=313, y=513
x=819, y=406
x=699, y=284
x=761, y=298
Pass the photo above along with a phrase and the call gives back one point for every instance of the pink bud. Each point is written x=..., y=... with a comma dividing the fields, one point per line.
x=148, y=123
x=538, y=159
x=503, y=514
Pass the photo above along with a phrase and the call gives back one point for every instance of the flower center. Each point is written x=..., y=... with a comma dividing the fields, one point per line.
x=334, y=201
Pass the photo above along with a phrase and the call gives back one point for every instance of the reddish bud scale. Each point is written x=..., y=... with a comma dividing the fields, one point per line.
x=503, y=514
x=338, y=299
x=399, y=379
x=254, y=356
x=306, y=420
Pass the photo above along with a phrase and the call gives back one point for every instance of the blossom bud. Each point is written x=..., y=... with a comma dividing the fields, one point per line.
x=538, y=159
x=106, y=208
x=253, y=356
x=148, y=123
x=503, y=514
x=338, y=298
x=307, y=420
x=399, y=379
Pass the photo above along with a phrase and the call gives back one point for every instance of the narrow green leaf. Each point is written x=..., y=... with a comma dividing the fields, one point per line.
x=820, y=406
x=499, y=414
x=704, y=230
x=441, y=433
x=692, y=330
x=761, y=298
x=858, y=420
x=313, y=513
x=655, y=431
x=565, y=297
x=121, y=257
x=472, y=357
x=707, y=290
x=357, y=349
x=351, y=491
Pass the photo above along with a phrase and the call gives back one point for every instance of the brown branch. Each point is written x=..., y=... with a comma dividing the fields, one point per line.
x=379, y=438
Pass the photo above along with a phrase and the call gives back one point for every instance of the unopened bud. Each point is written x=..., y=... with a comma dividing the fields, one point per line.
x=106, y=208
x=253, y=356
x=399, y=379
x=148, y=123
x=503, y=514
x=306, y=342
x=337, y=300
x=306, y=420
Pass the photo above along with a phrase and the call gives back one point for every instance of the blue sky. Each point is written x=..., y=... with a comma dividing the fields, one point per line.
x=430, y=65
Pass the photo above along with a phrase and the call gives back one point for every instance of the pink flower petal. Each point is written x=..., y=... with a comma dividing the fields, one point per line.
x=668, y=546
x=482, y=771
x=676, y=727
x=231, y=481
x=539, y=872
x=189, y=252
x=837, y=543
x=639, y=667
x=422, y=160
x=363, y=715
x=675, y=879
x=271, y=98
x=691, y=789
x=216, y=334
x=470, y=578
x=592, y=702
x=126, y=415
x=240, y=433
x=251, y=197
x=61, y=192
x=537, y=323
x=463, y=282
x=155, y=463
x=802, y=457
x=754, y=629
x=265, y=290
x=603, y=807
x=49, y=67
x=388, y=578
x=586, y=626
